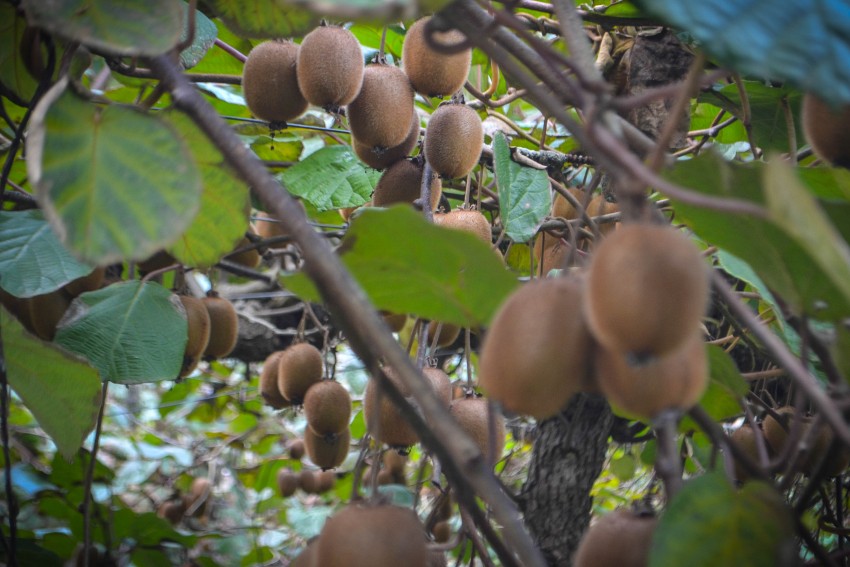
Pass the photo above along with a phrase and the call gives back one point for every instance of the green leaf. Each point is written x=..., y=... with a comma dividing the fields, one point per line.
x=795, y=250
x=131, y=331
x=264, y=18
x=147, y=529
x=225, y=203
x=767, y=117
x=115, y=183
x=61, y=390
x=28, y=552
x=407, y=265
x=708, y=523
x=13, y=74
x=524, y=198
x=806, y=42
x=32, y=260
x=331, y=178
x=118, y=28
x=203, y=39
x=389, y=10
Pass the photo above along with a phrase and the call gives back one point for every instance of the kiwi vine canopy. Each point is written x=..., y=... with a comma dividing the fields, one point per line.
x=804, y=42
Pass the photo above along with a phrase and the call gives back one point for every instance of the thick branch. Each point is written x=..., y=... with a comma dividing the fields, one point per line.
x=370, y=339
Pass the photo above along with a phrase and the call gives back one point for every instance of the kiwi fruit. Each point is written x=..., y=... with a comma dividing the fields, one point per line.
x=386, y=477
x=299, y=367
x=329, y=66
x=249, y=258
x=453, y=140
x=442, y=531
x=45, y=312
x=325, y=481
x=90, y=282
x=381, y=114
x=270, y=82
x=381, y=158
x=327, y=407
x=448, y=333
x=224, y=326
x=269, y=389
x=308, y=556
x=385, y=422
x=172, y=510
x=287, y=482
x=599, y=206
x=827, y=129
x=328, y=451
x=561, y=207
x=472, y=415
x=157, y=261
x=776, y=433
x=402, y=182
x=441, y=383
x=745, y=438
x=394, y=463
x=296, y=449
x=200, y=489
x=537, y=353
x=433, y=73
x=647, y=289
x=675, y=380
x=467, y=220
x=394, y=321
x=622, y=538
x=377, y=536
x=267, y=226
x=198, y=333
x=309, y=482
x=550, y=253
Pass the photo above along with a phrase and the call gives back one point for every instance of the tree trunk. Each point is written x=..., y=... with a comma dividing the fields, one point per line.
x=569, y=452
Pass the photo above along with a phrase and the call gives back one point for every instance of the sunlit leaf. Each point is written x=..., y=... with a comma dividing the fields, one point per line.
x=61, y=390
x=115, y=183
x=32, y=260
x=131, y=331
x=331, y=178
x=119, y=28
x=407, y=265
x=264, y=18
x=524, y=198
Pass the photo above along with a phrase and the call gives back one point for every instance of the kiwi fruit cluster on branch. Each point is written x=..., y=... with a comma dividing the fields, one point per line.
x=213, y=329
x=288, y=374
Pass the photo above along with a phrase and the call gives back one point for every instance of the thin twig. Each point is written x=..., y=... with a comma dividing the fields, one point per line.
x=86, y=506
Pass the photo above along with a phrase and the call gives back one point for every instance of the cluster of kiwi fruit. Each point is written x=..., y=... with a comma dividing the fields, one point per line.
x=309, y=481
x=195, y=501
x=629, y=326
x=213, y=329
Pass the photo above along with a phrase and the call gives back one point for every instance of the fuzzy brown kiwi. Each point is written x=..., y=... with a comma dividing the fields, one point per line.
x=269, y=389
x=198, y=333
x=267, y=226
x=327, y=451
x=401, y=183
x=394, y=463
x=308, y=556
x=469, y=221
x=834, y=462
x=536, y=354
x=622, y=538
x=453, y=140
x=827, y=129
x=394, y=321
x=441, y=383
x=599, y=206
x=270, y=82
x=249, y=258
x=308, y=481
x=442, y=531
x=45, y=312
x=745, y=438
x=327, y=407
x=287, y=482
x=378, y=536
x=383, y=158
x=471, y=414
x=561, y=207
x=776, y=432
x=381, y=114
x=448, y=333
x=296, y=449
x=199, y=491
x=299, y=367
x=330, y=66
x=157, y=261
x=385, y=477
x=172, y=510
x=647, y=289
x=224, y=326
x=325, y=481
x=675, y=380
x=550, y=253
x=89, y=282
x=385, y=422
x=433, y=73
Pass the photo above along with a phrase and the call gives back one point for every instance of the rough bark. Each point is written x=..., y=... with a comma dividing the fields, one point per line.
x=569, y=452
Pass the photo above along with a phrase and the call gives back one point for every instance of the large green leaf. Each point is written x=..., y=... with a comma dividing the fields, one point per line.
x=203, y=38
x=115, y=183
x=524, y=197
x=13, y=73
x=370, y=9
x=132, y=332
x=805, y=42
x=331, y=178
x=32, y=260
x=708, y=524
x=796, y=251
x=119, y=28
x=407, y=265
x=264, y=18
x=225, y=203
x=61, y=390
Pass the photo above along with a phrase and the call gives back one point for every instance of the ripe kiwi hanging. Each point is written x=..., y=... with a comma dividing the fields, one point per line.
x=270, y=82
